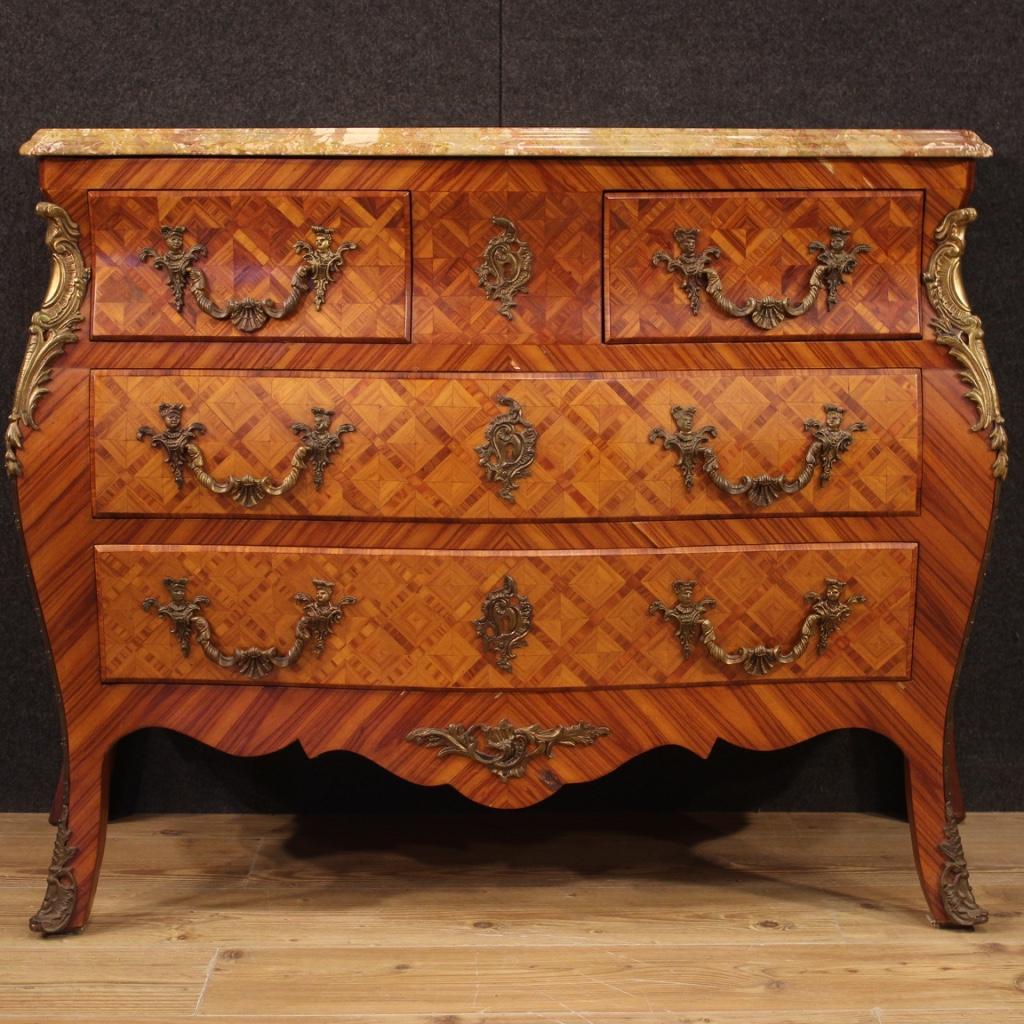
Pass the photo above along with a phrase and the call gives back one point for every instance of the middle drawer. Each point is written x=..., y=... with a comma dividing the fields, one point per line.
x=506, y=447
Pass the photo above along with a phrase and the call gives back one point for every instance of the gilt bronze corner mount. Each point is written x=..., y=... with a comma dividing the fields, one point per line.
x=959, y=330
x=50, y=330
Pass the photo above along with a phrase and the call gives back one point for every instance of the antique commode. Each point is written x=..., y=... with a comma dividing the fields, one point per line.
x=503, y=455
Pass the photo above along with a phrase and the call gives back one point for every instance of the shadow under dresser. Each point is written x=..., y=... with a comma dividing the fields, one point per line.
x=501, y=456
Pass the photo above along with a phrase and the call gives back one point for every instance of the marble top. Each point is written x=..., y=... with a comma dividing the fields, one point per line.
x=527, y=142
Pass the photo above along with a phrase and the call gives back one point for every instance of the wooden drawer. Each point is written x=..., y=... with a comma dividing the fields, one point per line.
x=413, y=452
x=249, y=253
x=660, y=285
x=413, y=623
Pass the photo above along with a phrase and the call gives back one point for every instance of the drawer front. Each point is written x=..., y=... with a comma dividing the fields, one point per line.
x=660, y=282
x=612, y=448
x=452, y=619
x=356, y=284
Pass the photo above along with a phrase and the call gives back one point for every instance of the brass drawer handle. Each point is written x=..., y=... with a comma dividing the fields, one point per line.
x=319, y=265
x=834, y=264
x=318, y=445
x=509, y=448
x=507, y=749
x=318, y=618
x=506, y=619
x=829, y=439
x=828, y=612
x=507, y=266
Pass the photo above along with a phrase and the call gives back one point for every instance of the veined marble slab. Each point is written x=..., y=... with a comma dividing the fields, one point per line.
x=529, y=142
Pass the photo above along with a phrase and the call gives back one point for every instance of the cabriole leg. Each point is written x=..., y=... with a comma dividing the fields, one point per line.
x=956, y=796
x=78, y=849
x=57, y=806
x=938, y=851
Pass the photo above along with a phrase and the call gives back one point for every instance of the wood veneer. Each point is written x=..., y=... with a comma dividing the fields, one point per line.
x=560, y=333
x=412, y=454
x=412, y=625
x=763, y=239
x=248, y=237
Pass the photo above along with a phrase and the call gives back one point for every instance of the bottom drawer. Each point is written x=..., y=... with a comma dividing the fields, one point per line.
x=505, y=620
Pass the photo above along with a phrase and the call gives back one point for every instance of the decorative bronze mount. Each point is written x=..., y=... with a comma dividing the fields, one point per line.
x=320, y=264
x=507, y=617
x=509, y=448
x=51, y=329
x=960, y=331
x=61, y=894
x=828, y=612
x=319, y=616
x=834, y=264
x=507, y=749
x=507, y=266
x=829, y=440
x=318, y=445
x=955, y=881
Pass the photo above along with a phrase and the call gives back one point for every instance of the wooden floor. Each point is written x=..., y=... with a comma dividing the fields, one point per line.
x=713, y=919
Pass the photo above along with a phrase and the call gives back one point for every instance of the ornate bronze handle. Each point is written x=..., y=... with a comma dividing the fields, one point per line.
x=694, y=268
x=507, y=749
x=320, y=264
x=317, y=446
x=828, y=441
x=509, y=448
x=507, y=266
x=506, y=619
x=319, y=615
x=828, y=612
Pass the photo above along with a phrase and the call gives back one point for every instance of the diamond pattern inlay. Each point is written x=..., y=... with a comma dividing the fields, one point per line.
x=249, y=237
x=763, y=239
x=413, y=623
x=412, y=453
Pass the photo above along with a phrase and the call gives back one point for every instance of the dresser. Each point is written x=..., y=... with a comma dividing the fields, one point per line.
x=501, y=456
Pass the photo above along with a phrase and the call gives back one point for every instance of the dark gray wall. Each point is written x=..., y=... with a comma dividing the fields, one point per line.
x=935, y=64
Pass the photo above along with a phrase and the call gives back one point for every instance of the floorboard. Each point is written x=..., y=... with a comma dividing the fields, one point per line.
x=661, y=919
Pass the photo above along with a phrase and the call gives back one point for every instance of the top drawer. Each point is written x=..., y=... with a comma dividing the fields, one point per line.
x=333, y=264
x=762, y=265
x=348, y=251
